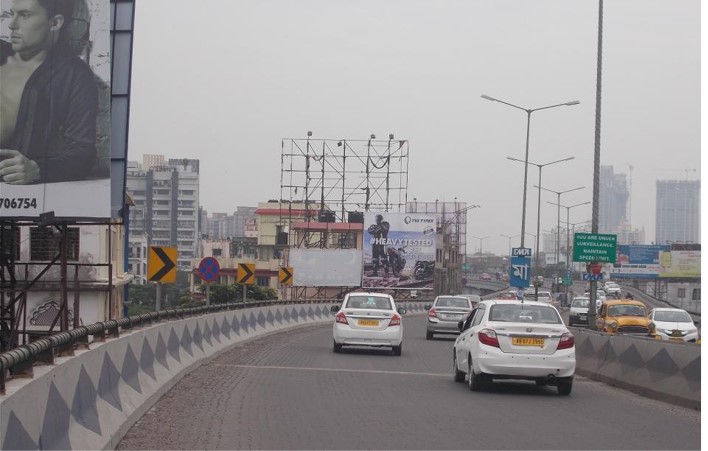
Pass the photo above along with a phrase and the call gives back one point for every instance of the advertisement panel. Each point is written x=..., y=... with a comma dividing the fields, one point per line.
x=55, y=120
x=326, y=267
x=680, y=264
x=656, y=261
x=399, y=250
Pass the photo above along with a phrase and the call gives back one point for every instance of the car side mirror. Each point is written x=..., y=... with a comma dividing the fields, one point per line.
x=427, y=306
x=402, y=310
x=460, y=325
x=334, y=309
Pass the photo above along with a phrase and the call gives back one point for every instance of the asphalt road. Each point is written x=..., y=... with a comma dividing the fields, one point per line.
x=290, y=391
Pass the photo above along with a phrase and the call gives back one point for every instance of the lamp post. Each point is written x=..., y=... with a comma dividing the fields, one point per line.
x=559, y=220
x=480, y=238
x=538, y=215
x=509, y=237
x=567, y=235
x=526, y=158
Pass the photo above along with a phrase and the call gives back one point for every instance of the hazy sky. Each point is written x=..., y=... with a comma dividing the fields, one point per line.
x=225, y=81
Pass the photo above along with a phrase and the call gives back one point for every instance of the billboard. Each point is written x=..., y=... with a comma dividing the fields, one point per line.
x=326, y=267
x=399, y=250
x=55, y=121
x=655, y=261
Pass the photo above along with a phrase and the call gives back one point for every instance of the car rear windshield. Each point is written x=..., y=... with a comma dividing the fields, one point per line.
x=519, y=313
x=673, y=317
x=626, y=310
x=453, y=302
x=581, y=303
x=373, y=302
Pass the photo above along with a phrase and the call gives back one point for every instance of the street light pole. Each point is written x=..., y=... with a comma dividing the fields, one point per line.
x=558, y=222
x=538, y=216
x=567, y=237
x=526, y=159
x=509, y=237
x=480, y=242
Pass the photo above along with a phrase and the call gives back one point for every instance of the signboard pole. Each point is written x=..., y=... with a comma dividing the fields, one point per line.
x=245, y=291
x=158, y=296
x=207, y=293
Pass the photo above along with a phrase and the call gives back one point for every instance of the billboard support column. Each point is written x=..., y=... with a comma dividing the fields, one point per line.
x=63, y=283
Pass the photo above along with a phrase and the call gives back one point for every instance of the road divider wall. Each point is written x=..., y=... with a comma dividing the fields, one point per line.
x=660, y=369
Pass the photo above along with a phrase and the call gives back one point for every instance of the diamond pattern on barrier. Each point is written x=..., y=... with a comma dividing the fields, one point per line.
x=278, y=316
x=244, y=323
x=226, y=329
x=108, y=383
x=270, y=318
x=286, y=314
x=252, y=321
x=16, y=436
x=161, y=351
x=186, y=341
x=294, y=314
x=631, y=360
x=147, y=359
x=207, y=333
x=215, y=331
x=129, y=372
x=173, y=345
x=236, y=326
x=261, y=319
x=661, y=366
x=198, y=339
x=83, y=408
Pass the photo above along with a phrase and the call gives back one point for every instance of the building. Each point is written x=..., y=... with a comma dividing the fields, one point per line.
x=678, y=211
x=222, y=225
x=166, y=211
x=150, y=161
x=614, y=195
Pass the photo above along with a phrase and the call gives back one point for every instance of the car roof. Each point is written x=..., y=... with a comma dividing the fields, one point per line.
x=668, y=309
x=624, y=302
x=512, y=302
x=368, y=293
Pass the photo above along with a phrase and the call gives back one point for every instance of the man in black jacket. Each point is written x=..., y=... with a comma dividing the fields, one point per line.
x=49, y=98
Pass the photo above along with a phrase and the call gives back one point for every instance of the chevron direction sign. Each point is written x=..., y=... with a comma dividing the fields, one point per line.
x=285, y=275
x=246, y=273
x=162, y=264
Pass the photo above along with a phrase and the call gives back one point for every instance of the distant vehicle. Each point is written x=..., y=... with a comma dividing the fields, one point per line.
x=514, y=340
x=613, y=289
x=624, y=316
x=674, y=324
x=543, y=296
x=445, y=313
x=507, y=295
x=579, y=311
x=368, y=319
x=485, y=276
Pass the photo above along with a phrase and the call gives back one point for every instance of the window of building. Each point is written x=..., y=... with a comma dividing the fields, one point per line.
x=216, y=252
x=696, y=296
x=45, y=241
x=681, y=293
x=263, y=281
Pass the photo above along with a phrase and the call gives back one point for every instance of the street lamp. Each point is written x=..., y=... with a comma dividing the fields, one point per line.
x=482, y=238
x=538, y=217
x=567, y=236
x=526, y=159
x=509, y=237
x=559, y=220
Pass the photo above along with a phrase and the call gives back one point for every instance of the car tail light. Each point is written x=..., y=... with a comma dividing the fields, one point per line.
x=432, y=313
x=395, y=321
x=341, y=318
x=488, y=337
x=567, y=341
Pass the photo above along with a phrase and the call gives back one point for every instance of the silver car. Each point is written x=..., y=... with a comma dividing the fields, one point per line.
x=445, y=313
x=579, y=311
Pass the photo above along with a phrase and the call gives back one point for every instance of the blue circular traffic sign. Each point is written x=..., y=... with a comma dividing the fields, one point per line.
x=209, y=269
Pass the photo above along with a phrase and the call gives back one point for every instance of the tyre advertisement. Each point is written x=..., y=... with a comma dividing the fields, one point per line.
x=399, y=250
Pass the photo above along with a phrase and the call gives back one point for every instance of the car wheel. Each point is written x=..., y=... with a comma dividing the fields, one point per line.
x=398, y=349
x=428, y=335
x=565, y=386
x=457, y=375
x=476, y=382
x=336, y=347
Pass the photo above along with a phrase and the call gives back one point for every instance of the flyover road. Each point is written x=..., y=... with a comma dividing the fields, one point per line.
x=290, y=391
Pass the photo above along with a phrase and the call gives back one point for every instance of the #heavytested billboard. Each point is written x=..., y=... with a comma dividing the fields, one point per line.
x=399, y=250
x=55, y=112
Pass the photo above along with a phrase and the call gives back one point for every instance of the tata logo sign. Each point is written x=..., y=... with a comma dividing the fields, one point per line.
x=521, y=252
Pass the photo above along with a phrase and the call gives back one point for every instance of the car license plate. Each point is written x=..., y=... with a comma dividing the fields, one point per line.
x=369, y=322
x=452, y=316
x=524, y=341
x=676, y=333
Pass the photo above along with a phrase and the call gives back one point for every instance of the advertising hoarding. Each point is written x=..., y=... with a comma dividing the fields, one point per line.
x=326, y=267
x=656, y=261
x=55, y=124
x=399, y=250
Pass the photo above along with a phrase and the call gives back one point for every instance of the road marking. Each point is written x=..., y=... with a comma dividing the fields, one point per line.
x=343, y=370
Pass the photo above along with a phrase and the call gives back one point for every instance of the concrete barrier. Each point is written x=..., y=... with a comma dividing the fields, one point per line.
x=90, y=400
x=659, y=369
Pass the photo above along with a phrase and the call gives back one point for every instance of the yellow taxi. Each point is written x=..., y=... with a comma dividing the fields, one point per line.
x=624, y=316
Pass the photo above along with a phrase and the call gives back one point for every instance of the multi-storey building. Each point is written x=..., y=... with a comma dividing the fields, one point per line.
x=222, y=225
x=678, y=211
x=166, y=210
x=614, y=195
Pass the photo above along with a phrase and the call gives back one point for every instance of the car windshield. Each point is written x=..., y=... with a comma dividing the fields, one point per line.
x=453, y=302
x=626, y=310
x=581, y=303
x=520, y=313
x=373, y=302
x=672, y=316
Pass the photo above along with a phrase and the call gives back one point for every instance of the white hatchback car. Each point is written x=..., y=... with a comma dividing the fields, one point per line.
x=507, y=339
x=368, y=319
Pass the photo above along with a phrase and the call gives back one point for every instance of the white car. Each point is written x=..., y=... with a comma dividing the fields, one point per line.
x=579, y=311
x=368, y=319
x=674, y=324
x=508, y=339
x=613, y=289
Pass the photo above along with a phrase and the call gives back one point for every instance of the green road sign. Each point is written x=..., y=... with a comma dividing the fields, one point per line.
x=567, y=281
x=594, y=247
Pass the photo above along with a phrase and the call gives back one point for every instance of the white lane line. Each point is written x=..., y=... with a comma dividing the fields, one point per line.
x=335, y=370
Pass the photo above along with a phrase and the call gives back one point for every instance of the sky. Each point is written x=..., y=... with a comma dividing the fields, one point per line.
x=225, y=81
